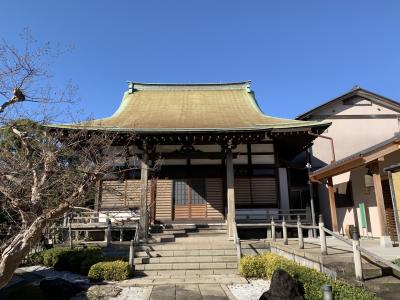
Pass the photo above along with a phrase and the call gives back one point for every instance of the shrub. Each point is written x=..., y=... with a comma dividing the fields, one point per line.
x=397, y=261
x=109, y=270
x=36, y=258
x=263, y=266
x=77, y=260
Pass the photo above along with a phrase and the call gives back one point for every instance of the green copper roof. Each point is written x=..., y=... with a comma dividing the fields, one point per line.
x=190, y=108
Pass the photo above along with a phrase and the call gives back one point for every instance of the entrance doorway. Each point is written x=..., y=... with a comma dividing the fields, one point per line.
x=389, y=212
x=189, y=196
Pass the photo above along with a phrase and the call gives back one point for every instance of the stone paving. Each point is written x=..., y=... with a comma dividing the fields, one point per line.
x=189, y=291
x=175, y=287
x=180, y=279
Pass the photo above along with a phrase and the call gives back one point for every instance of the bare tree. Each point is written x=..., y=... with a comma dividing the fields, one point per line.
x=43, y=170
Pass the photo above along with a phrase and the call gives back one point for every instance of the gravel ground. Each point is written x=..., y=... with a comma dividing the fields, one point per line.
x=130, y=293
x=48, y=272
x=249, y=291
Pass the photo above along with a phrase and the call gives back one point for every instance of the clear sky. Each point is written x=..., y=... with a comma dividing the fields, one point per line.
x=298, y=54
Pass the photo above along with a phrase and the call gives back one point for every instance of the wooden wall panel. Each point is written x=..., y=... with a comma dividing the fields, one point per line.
x=163, y=204
x=390, y=219
x=112, y=194
x=255, y=190
x=242, y=191
x=263, y=190
x=198, y=211
x=122, y=194
x=215, y=196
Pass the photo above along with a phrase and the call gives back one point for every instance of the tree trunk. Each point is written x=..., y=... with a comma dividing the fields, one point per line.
x=19, y=247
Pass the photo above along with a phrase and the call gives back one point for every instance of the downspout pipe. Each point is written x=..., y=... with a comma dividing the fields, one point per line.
x=328, y=138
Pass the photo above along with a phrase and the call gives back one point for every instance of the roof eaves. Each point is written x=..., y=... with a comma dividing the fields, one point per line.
x=261, y=127
x=354, y=92
x=354, y=160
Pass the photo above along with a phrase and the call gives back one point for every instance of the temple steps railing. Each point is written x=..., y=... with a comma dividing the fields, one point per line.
x=357, y=250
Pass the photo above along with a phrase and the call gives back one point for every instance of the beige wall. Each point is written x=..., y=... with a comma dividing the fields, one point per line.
x=350, y=136
x=347, y=216
x=353, y=135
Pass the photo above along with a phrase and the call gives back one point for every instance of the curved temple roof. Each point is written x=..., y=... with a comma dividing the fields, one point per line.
x=151, y=107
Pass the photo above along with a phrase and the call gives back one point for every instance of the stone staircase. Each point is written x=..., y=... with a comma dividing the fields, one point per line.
x=187, y=250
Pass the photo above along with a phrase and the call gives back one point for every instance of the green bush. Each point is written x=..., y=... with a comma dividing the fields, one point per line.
x=263, y=266
x=397, y=261
x=109, y=270
x=36, y=258
x=77, y=260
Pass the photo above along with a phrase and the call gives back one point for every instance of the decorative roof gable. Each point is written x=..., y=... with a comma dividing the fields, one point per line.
x=357, y=96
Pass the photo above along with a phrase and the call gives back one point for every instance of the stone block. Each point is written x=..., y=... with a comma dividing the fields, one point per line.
x=185, y=266
x=212, y=265
x=224, y=259
x=158, y=267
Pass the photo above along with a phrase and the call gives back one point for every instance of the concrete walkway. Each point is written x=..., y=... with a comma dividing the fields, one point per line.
x=165, y=287
x=179, y=287
x=189, y=291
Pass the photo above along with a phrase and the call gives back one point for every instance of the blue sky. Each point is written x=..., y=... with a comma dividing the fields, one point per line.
x=298, y=54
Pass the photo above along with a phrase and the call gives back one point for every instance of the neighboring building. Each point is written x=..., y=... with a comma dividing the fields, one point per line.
x=364, y=126
x=222, y=158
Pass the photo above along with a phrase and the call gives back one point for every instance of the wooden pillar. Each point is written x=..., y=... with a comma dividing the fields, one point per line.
x=230, y=188
x=376, y=177
x=332, y=205
x=144, y=174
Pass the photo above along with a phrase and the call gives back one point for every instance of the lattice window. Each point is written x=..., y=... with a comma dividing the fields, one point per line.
x=189, y=191
x=198, y=190
x=180, y=192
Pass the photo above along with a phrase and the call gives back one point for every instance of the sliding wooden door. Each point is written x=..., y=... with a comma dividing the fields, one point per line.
x=189, y=199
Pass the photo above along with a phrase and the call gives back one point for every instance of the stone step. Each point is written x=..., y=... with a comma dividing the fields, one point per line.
x=162, y=238
x=187, y=266
x=185, y=259
x=206, y=233
x=345, y=269
x=386, y=287
x=190, y=252
x=175, y=232
x=186, y=246
x=186, y=273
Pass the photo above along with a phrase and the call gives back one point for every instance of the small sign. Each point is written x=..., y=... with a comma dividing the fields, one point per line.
x=363, y=215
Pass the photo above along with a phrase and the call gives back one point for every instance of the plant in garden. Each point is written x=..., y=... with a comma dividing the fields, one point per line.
x=110, y=270
x=263, y=266
x=44, y=171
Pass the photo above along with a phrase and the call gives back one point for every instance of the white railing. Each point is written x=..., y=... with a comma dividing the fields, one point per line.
x=263, y=215
x=354, y=243
x=237, y=241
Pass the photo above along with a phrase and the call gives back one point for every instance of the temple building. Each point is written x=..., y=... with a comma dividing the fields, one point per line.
x=207, y=153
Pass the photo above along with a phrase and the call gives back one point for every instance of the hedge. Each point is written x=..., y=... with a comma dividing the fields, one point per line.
x=110, y=270
x=77, y=260
x=264, y=265
x=397, y=261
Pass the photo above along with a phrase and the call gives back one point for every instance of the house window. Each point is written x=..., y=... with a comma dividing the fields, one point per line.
x=344, y=194
x=189, y=191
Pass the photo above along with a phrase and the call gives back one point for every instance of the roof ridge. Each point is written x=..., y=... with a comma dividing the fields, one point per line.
x=140, y=86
